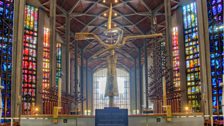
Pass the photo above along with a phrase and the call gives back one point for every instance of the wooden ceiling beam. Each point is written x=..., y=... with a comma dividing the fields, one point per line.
x=125, y=54
x=92, y=21
x=60, y=15
x=124, y=66
x=103, y=64
x=121, y=16
x=80, y=22
x=62, y=9
x=74, y=15
x=130, y=7
x=159, y=7
x=43, y=7
x=98, y=66
x=46, y=3
x=147, y=7
x=119, y=25
x=73, y=7
x=121, y=3
x=130, y=22
x=86, y=11
x=140, y=21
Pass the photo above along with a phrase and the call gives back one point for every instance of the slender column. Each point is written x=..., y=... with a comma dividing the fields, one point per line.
x=87, y=92
x=168, y=31
x=204, y=57
x=81, y=78
x=91, y=89
x=76, y=74
x=207, y=53
x=72, y=74
x=136, y=87
x=164, y=92
x=53, y=5
x=140, y=79
x=67, y=37
x=18, y=31
x=183, y=76
x=167, y=4
x=40, y=60
x=63, y=53
x=146, y=74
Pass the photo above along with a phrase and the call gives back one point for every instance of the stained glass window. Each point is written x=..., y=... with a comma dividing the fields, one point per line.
x=192, y=55
x=46, y=60
x=6, y=32
x=99, y=85
x=215, y=21
x=59, y=62
x=176, y=59
x=29, y=59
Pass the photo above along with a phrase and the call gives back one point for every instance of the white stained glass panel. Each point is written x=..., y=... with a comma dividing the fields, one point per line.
x=121, y=101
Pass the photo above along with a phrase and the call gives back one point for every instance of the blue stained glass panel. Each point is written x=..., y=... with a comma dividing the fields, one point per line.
x=6, y=22
x=215, y=20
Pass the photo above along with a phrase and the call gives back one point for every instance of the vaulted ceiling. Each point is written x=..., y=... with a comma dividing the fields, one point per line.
x=135, y=17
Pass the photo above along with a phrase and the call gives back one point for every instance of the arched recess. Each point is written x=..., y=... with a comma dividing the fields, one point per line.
x=99, y=84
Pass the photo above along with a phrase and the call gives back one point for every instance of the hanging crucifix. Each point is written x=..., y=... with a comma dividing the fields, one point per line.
x=114, y=40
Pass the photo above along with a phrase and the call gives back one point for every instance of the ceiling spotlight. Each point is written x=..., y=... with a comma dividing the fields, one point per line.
x=105, y=25
x=115, y=14
x=115, y=25
x=116, y=1
x=105, y=14
x=104, y=1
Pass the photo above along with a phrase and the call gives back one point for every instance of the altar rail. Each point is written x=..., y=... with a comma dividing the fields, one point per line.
x=180, y=119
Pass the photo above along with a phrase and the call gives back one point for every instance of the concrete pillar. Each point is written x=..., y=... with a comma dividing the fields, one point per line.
x=168, y=17
x=150, y=79
x=67, y=37
x=18, y=30
x=63, y=47
x=40, y=59
x=87, y=85
x=133, y=89
x=140, y=80
x=207, y=55
x=91, y=90
x=53, y=4
x=136, y=87
x=204, y=57
x=146, y=74
x=82, y=80
x=132, y=95
x=76, y=73
x=72, y=74
x=183, y=76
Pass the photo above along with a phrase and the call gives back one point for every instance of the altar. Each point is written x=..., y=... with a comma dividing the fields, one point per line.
x=111, y=116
